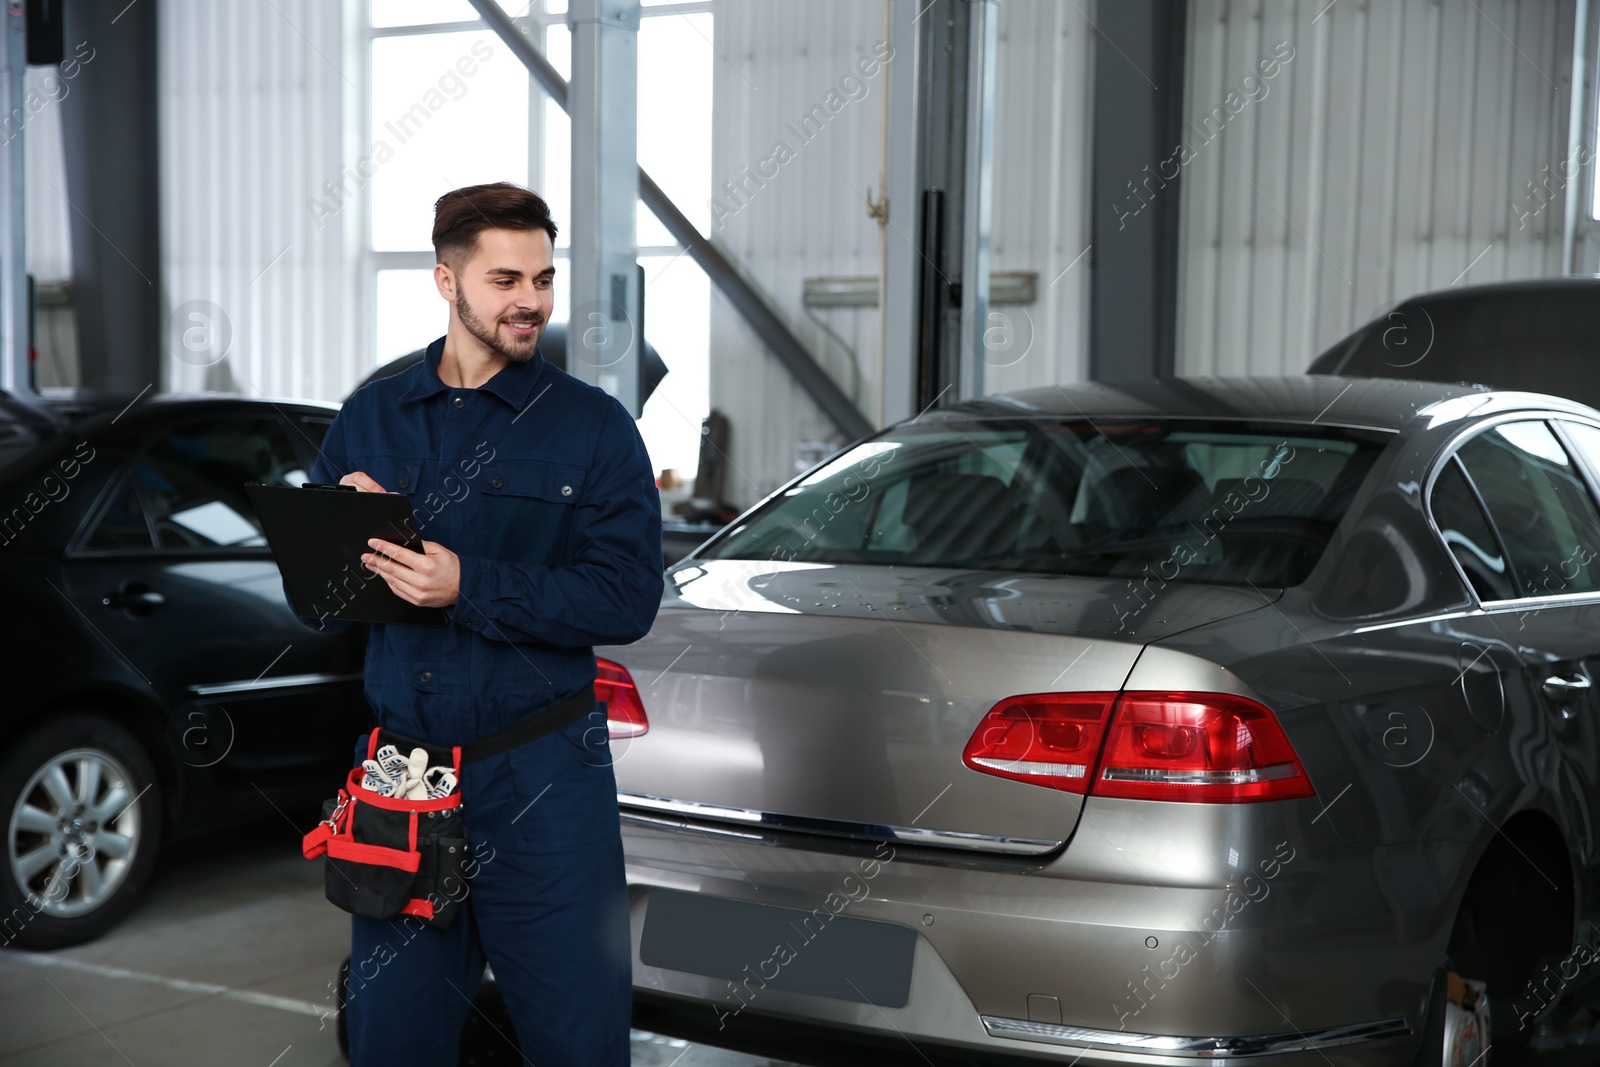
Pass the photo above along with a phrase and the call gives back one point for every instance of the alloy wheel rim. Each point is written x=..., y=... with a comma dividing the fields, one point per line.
x=74, y=833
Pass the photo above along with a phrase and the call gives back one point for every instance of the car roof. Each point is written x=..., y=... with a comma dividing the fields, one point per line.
x=1369, y=403
x=74, y=404
x=1573, y=282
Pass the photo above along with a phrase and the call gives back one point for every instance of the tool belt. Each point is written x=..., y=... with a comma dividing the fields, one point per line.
x=392, y=856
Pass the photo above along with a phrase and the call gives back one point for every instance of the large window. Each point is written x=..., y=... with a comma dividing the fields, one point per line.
x=447, y=105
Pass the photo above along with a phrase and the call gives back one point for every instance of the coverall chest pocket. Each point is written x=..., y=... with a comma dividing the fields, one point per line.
x=397, y=475
x=527, y=509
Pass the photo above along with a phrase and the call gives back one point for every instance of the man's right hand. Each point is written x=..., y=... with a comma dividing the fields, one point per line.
x=362, y=483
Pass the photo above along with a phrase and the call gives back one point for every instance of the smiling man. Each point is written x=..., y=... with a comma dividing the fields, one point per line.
x=541, y=531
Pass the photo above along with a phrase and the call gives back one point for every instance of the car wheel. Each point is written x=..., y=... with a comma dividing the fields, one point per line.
x=83, y=818
x=1456, y=1032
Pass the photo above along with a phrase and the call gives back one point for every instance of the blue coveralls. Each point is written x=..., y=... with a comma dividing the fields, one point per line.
x=541, y=484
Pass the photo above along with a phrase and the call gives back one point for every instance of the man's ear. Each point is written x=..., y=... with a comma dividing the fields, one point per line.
x=445, y=279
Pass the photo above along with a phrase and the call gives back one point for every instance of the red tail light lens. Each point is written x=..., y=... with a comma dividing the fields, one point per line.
x=1205, y=747
x=1188, y=747
x=624, y=710
x=1049, y=739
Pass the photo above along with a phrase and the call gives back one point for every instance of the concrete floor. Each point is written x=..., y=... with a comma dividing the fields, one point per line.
x=230, y=956
x=227, y=959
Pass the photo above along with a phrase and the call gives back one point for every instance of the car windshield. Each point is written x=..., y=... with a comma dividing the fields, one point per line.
x=1180, y=500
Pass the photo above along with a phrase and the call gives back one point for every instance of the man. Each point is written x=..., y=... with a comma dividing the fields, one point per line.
x=541, y=530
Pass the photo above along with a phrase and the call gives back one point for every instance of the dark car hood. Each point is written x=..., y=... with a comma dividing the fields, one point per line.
x=1540, y=336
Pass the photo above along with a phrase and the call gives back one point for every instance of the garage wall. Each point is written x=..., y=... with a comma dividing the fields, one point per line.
x=1044, y=126
x=251, y=99
x=1392, y=154
x=777, y=61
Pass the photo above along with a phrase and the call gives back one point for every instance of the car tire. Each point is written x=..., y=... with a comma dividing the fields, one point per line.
x=81, y=811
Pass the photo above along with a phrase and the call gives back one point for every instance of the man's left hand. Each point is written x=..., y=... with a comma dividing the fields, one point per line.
x=430, y=578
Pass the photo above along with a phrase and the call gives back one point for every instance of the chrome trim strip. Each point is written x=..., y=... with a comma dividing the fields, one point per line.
x=1194, y=1047
x=911, y=835
x=635, y=818
x=282, y=681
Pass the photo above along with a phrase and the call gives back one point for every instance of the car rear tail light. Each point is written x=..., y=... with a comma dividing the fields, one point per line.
x=1192, y=747
x=1049, y=739
x=624, y=710
x=1207, y=747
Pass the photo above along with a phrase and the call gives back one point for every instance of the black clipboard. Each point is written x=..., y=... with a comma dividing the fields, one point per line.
x=318, y=535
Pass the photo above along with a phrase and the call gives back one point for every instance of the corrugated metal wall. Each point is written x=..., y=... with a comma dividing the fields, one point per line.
x=251, y=119
x=1390, y=155
x=776, y=62
x=1044, y=97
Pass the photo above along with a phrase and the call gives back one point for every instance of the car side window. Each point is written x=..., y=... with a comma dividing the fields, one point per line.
x=1539, y=504
x=123, y=525
x=1585, y=441
x=193, y=481
x=1466, y=533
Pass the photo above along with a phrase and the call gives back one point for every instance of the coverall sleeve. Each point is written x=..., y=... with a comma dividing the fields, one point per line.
x=331, y=465
x=610, y=592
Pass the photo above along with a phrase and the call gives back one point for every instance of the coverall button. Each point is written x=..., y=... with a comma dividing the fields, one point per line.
x=425, y=676
x=566, y=490
x=497, y=481
x=459, y=401
x=404, y=482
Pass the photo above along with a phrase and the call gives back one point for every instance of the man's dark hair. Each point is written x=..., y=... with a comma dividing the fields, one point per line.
x=461, y=214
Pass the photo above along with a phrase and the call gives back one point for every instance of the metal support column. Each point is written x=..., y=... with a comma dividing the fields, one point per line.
x=603, y=343
x=13, y=220
x=1138, y=117
x=109, y=134
x=902, y=193
x=982, y=18
x=939, y=185
x=1580, y=237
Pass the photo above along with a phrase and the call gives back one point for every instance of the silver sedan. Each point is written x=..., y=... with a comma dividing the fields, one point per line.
x=1246, y=721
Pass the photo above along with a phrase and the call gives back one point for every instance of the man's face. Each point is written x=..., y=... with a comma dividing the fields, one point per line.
x=504, y=293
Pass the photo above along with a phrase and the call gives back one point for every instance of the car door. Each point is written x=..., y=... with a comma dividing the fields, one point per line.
x=1545, y=519
x=175, y=575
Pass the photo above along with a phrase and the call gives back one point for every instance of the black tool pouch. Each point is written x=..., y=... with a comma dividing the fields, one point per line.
x=387, y=856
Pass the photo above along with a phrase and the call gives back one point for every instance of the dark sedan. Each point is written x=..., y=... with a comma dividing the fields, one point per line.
x=159, y=682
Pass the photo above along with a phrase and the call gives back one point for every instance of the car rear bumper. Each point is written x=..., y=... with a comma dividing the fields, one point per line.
x=1103, y=953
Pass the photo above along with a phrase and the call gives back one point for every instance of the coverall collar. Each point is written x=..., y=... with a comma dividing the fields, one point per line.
x=512, y=383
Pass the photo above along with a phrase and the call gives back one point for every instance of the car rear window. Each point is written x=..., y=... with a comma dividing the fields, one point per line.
x=1183, y=500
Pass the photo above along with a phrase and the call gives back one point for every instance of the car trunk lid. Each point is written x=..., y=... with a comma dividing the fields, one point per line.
x=838, y=698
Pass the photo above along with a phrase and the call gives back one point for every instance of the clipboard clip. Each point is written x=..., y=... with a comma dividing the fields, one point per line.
x=324, y=485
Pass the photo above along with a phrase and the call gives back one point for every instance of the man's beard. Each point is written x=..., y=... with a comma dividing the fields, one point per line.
x=517, y=349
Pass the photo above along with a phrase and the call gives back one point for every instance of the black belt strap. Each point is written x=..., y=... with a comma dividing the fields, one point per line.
x=532, y=728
